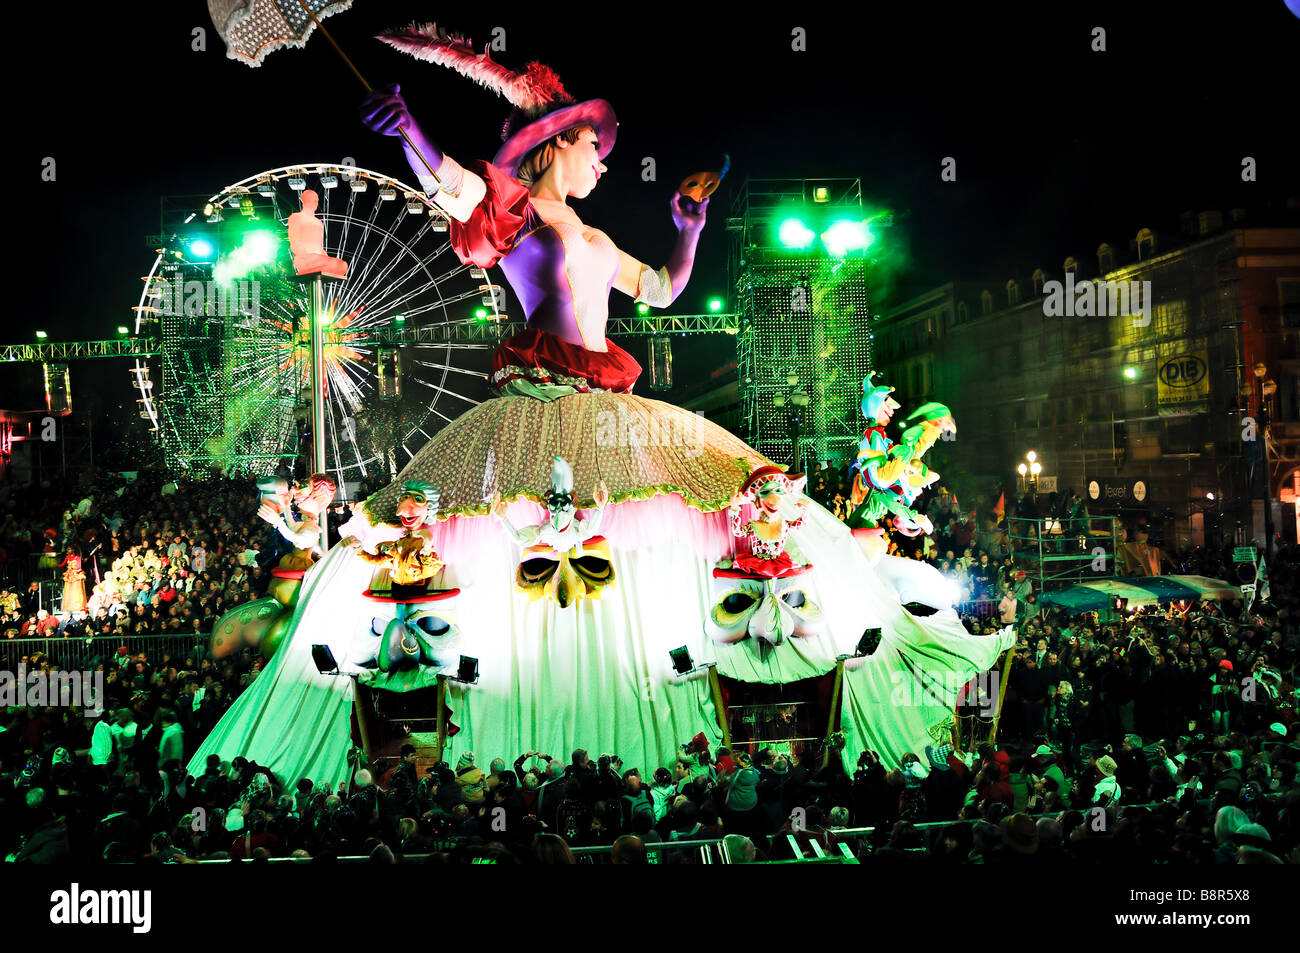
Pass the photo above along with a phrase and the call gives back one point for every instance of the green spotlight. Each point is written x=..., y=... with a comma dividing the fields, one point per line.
x=399, y=318
x=715, y=305
x=41, y=335
x=260, y=246
x=122, y=329
x=643, y=308
x=845, y=236
x=481, y=314
x=793, y=233
x=1131, y=373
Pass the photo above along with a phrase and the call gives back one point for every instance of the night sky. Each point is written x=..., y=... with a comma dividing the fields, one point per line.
x=1058, y=148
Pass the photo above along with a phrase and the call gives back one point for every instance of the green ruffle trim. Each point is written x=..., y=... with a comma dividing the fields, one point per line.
x=644, y=493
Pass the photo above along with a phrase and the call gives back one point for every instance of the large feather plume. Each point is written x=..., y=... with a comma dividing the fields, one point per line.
x=530, y=90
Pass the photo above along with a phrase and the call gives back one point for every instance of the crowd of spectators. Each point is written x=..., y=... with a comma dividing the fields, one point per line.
x=160, y=556
x=1165, y=736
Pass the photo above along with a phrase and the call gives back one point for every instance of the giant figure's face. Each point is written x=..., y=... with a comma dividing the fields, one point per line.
x=404, y=636
x=566, y=577
x=580, y=163
x=769, y=610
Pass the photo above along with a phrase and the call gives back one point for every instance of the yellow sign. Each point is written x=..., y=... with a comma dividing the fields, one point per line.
x=1182, y=379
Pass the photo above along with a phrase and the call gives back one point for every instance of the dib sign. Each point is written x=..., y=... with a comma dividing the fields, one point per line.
x=1185, y=370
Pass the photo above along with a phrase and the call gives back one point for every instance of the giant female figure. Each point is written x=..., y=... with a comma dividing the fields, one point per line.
x=590, y=671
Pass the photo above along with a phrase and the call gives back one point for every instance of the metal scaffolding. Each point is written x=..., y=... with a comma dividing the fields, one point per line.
x=803, y=322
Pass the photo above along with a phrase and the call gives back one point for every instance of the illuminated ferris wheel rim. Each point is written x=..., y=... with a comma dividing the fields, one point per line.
x=347, y=175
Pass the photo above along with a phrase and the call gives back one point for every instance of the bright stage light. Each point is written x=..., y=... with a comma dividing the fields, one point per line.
x=122, y=329
x=1131, y=373
x=260, y=246
x=1022, y=469
x=715, y=305
x=1035, y=468
x=480, y=314
x=257, y=249
x=793, y=233
x=643, y=308
x=201, y=248
x=821, y=194
x=41, y=335
x=1031, y=456
x=845, y=236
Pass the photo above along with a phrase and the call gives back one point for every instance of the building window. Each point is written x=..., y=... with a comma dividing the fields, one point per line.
x=1040, y=279
x=986, y=302
x=1146, y=244
x=1288, y=294
x=1013, y=292
x=1105, y=259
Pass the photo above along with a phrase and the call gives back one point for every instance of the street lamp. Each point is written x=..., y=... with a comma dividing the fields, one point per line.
x=1029, y=469
x=1267, y=389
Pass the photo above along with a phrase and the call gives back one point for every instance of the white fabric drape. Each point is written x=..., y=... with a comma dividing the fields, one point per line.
x=598, y=675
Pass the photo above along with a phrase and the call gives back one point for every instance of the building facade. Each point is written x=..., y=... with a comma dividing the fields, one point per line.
x=1135, y=378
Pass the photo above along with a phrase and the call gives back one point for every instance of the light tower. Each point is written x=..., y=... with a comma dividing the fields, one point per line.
x=798, y=266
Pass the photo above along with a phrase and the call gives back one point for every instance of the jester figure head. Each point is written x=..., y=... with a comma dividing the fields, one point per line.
x=314, y=494
x=417, y=504
x=934, y=420
x=559, y=495
x=877, y=406
x=769, y=489
x=274, y=492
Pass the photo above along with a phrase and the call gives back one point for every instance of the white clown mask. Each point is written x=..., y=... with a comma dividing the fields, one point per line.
x=769, y=610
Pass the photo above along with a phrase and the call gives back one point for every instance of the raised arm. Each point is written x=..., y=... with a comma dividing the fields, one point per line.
x=457, y=190
x=661, y=288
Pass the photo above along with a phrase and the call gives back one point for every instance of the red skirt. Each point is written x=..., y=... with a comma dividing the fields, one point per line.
x=540, y=357
x=756, y=566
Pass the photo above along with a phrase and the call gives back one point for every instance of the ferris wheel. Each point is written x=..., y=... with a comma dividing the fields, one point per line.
x=227, y=384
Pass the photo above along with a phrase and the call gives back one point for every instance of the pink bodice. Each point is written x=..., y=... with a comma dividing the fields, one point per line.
x=759, y=547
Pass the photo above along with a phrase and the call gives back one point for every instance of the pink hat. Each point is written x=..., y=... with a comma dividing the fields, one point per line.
x=542, y=106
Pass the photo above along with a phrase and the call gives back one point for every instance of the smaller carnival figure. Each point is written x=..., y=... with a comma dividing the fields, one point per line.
x=890, y=476
x=562, y=558
x=260, y=624
x=775, y=496
x=408, y=565
x=414, y=630
x=307, y=241
x=74, y=583
x=767, y=593
x=275, y=497
x=311, y=497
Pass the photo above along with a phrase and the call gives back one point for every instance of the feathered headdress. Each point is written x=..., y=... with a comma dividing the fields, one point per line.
x=533, y=89
x=543, y=108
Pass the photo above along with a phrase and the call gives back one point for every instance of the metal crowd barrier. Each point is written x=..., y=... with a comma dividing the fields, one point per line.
x=88, y=653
